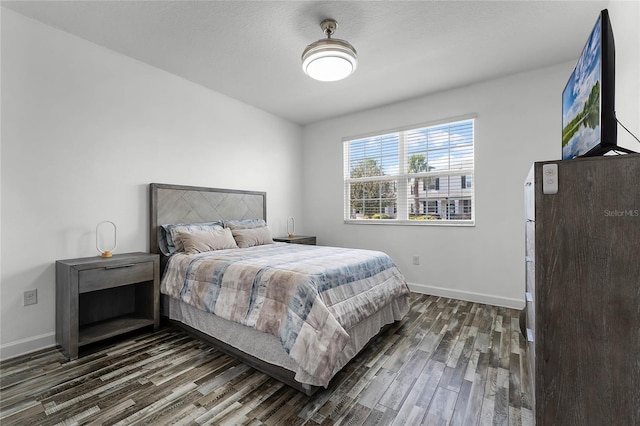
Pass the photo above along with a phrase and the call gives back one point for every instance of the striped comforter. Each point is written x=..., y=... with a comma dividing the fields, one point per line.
x=307, y=296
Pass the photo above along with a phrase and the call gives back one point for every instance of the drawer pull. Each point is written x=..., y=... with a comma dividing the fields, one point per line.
x=126, y=265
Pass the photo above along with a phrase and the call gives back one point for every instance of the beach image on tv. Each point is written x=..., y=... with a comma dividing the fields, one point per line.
x=581, y=101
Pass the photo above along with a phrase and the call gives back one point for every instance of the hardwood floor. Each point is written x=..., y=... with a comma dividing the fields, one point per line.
x=447, y=362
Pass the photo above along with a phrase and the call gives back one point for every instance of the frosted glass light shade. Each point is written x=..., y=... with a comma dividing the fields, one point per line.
x=329, y=60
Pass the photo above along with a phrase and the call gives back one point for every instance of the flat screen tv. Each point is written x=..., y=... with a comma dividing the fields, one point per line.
x=589, y=126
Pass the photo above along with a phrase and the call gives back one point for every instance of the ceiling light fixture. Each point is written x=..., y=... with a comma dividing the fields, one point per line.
x=329, y=59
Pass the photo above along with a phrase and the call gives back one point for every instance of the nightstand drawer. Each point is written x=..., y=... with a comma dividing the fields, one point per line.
x=114, y=276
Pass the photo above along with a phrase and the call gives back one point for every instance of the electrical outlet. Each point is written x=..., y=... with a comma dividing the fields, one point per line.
x=416, y=260
x=30, y=297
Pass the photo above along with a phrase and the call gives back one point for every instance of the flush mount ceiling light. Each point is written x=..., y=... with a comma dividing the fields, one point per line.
x=329, y=59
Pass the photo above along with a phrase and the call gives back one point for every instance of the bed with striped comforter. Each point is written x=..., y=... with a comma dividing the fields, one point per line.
x=307, y=296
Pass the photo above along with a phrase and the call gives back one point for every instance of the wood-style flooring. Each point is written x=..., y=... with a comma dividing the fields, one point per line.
x=448, y=362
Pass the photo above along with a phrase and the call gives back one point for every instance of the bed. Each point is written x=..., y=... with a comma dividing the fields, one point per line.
x=298, y=313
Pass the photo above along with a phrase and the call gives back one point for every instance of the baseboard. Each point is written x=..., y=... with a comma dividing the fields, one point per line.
x=28, y=345
x=468, y=296
x=47, y=340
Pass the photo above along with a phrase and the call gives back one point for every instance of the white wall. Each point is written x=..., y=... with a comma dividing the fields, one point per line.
x=84, y=131
x=518, y=122
x=625, y=21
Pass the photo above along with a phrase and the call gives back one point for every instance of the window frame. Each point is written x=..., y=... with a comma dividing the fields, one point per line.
x=402, y=200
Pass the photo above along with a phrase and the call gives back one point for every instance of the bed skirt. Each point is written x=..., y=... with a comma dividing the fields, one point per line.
x=268, y=348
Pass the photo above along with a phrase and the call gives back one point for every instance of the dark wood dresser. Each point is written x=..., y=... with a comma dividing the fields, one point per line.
x=583, y=291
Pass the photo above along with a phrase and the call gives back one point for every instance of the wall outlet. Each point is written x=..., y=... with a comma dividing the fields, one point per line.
x=30, y=297
x=416, y=260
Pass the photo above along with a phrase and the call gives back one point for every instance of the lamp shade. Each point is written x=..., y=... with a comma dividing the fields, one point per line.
x=329, y=59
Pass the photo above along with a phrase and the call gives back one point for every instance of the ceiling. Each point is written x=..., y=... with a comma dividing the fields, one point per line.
x=250, y=50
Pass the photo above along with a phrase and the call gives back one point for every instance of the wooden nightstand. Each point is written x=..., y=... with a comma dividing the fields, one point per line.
x=297, y=239
x=98, y=298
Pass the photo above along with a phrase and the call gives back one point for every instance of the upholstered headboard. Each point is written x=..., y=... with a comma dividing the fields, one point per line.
x=193, y=204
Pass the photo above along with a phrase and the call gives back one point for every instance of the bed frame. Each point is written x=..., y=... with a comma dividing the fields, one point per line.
x=190, y=204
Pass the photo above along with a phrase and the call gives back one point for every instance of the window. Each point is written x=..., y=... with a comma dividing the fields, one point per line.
x=415, y=176
x=466, y=182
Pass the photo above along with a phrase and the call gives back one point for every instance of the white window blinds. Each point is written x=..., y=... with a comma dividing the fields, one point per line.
x=418, y=176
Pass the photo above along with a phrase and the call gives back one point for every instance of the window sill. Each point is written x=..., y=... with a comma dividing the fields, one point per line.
x=461, y=223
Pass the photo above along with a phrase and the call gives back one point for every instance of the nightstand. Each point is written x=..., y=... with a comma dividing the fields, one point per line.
x=297, y=239
x=98, y=298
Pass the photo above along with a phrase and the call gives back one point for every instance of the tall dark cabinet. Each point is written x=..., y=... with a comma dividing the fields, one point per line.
x=583, y=291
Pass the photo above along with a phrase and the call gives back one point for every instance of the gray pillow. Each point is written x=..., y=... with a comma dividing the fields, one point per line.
x=245, y=224
x=252, y=237
x=170, y=244
x=202, y=240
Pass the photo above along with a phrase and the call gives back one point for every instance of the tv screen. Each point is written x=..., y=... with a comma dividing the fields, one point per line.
x=588, y=112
